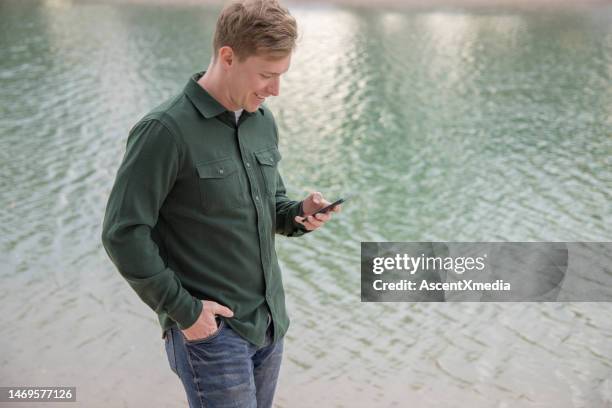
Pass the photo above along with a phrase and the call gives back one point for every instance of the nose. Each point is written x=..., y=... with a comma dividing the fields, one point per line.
x=274, y=87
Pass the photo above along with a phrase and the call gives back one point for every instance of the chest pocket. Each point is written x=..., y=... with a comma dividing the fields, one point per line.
x=219, y=184
x=268, y=165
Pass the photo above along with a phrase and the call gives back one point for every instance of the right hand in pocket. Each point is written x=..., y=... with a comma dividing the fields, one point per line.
x=206, y=325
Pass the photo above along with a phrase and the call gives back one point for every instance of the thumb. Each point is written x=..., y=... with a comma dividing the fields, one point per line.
x=223, y=311
x=317, y=197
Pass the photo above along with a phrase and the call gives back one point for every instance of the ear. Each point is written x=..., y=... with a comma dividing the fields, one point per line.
x=226, y=56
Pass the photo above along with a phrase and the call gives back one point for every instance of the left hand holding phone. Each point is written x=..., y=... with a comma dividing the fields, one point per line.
x=313, y=203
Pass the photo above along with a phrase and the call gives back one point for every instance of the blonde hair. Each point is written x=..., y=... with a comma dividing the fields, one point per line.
x=252, y=27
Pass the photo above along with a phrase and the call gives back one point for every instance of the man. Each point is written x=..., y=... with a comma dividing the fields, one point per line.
x=191, y=218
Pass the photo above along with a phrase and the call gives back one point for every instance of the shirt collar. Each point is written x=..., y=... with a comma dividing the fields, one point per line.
x=208, y=106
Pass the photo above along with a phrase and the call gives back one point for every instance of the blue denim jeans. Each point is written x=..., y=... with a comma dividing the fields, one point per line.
x=225, y=370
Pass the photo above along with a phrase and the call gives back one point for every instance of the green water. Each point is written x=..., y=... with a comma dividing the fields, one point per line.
x=446, y=124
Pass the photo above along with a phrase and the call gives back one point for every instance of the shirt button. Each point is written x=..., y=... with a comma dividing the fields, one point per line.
x=256, y=198
x=248, y=164
x=220, y=171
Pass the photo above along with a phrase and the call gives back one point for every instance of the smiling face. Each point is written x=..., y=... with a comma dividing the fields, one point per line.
x=254, y=79
x=252, y=48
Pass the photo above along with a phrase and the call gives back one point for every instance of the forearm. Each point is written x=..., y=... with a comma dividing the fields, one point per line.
x=137, y=259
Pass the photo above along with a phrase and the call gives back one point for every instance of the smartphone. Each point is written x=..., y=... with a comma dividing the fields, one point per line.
x=328, y=208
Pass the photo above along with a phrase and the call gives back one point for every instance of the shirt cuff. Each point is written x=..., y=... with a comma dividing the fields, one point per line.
x=299, y=229
x=188, y=316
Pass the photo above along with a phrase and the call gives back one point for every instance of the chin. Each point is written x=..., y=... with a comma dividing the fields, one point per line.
x=252, y=108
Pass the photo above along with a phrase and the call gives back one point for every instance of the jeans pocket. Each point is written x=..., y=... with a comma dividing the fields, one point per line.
x=207, y=339
x=170, y=352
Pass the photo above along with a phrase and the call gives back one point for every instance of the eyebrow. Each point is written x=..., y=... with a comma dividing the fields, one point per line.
x=276, y=73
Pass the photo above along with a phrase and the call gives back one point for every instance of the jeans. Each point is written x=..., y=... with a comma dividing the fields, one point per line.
x=225, y=370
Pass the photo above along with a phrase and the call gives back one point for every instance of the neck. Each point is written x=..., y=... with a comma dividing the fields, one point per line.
x=215, y=84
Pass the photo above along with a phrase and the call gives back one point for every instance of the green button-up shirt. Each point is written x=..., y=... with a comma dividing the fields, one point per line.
x=194, y=210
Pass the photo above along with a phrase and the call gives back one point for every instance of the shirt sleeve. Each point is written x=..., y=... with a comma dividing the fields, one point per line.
x=144, y=179
x=286, y=211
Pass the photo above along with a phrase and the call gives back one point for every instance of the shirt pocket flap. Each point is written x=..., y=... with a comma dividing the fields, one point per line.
x=216, y=169
x=268, y=157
